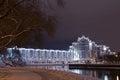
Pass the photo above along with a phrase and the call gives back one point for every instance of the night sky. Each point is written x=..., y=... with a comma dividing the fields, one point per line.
x=97, y=19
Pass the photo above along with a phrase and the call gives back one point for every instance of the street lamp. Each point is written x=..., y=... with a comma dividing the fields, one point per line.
x=116, y=55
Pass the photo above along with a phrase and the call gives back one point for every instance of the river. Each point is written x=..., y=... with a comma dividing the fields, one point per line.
x=101, y=74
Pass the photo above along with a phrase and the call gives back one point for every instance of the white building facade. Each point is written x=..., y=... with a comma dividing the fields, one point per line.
x=36, y=56
x=86, y=50
x=82, y=50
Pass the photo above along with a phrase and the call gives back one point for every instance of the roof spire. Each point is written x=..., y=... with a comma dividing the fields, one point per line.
x=83, y=36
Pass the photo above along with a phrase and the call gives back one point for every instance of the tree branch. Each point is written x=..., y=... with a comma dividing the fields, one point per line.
x=26, y=30
x=2, y=2
x=12, y=36
x=6, y=36
x=6, y=44
x=5, y=14
x=17, y=27
x=10, y=8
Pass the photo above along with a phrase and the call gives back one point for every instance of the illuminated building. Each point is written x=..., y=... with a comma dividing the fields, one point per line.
x=86, y=50
x=81, y=51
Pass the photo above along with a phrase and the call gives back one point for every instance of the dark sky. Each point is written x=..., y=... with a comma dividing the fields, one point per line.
x=97, y=19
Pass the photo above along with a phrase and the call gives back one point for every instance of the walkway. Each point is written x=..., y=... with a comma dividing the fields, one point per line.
x=39, y=74
x=16, y=74
x=25, y=74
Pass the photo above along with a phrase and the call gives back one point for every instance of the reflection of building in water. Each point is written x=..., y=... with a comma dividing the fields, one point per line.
x=81, y=51
x=99, y=74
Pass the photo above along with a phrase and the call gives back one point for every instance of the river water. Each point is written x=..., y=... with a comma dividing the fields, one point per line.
x=101, y=74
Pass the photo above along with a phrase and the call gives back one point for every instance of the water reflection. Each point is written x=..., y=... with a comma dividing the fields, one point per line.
x=61, y=68
x=101, y=74
x=117, y=77
x=105, y=77
x=77, y=71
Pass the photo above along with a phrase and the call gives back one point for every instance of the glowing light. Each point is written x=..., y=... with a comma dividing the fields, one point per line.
x=104, y=48
x=76, y=55
x=90, y=43
x=77, y=71
x=105, y=77
x=117, y=77
x=78, y=51
x=116, y=56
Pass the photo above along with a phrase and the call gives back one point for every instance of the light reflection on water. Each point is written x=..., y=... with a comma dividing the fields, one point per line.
x=61, y=68
x=101, y=74
x=117, y=77
x=77, y=71
x=105, y=77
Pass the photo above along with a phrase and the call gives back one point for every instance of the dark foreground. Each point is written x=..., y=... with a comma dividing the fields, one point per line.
x=94, y=66
x=39, y=74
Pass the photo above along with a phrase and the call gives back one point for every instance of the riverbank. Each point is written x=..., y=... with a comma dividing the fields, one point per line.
x=39, y=74
x=94, y=66
x=47, y=64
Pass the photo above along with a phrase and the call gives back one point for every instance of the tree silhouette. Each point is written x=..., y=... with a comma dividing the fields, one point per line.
x=24, y=22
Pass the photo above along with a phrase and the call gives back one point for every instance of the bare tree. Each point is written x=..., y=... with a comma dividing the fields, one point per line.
x=23, y=22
